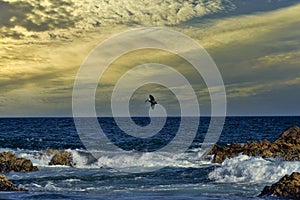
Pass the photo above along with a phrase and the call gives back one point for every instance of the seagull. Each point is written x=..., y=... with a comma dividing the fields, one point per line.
x=151, y=100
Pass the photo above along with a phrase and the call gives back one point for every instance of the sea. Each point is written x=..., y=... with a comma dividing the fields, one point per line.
x=184, y=175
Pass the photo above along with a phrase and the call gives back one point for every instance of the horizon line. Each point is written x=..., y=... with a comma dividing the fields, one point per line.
x=108, y=116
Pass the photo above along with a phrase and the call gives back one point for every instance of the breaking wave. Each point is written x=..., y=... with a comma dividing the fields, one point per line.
x=245, y=169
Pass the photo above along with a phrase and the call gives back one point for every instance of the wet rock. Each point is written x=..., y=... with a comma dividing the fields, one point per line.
x=62, y=158
x=221, y=153
x=9, y=162
x=287, y=146
x=290, y=136
x=262, y=149
x=287, y=186
x=6, y=185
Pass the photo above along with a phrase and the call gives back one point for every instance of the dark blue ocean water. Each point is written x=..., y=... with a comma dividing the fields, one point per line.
x=60, y=133
x=183, y=176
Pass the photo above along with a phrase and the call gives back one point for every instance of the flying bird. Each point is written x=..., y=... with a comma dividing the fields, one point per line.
x=152, y=101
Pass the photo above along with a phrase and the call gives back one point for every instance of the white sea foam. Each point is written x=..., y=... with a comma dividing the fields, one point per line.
x=72, y=180
x=6, y=150
x=144, y=160
x=244, y=169
x=84, y=159
x=51, y=187
x=241, y=169
x=80, y=159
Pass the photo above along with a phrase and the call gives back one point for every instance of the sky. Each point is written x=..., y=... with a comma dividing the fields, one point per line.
x=255, y=45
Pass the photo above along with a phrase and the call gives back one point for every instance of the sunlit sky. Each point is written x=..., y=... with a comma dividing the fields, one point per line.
x=255, y=46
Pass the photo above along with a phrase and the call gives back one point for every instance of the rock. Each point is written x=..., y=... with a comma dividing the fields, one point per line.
x=6, y=185
x=221, y=153
x=287, y=186
x=287, y=146
x=290, y=136
x=62, y=158
x=258, y=149
x=9, y=162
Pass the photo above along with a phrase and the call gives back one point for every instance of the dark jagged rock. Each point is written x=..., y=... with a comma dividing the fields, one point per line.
x=62, y=158
x=290, y=136
x=9, y=162
x=6, y=185
x=221, y=153
x=287, y=186
x=287, y=146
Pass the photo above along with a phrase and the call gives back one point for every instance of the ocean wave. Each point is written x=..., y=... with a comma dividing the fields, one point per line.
x=144, y=160
x=241, y=169
x=84, y=159
x=245, y=169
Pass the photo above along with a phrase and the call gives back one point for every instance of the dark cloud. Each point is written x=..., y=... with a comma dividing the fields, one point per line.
x=39, y=16
x=17, y=10
x=35, y=17
x=52, y=14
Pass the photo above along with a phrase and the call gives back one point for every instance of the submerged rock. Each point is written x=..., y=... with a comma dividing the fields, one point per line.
x=62, y=158
x=287, y=186
x=9, y=162
x=287, y=146
x=6, y=185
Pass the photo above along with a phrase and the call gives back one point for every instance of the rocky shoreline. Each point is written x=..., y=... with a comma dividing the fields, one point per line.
x=9, y=162
x=286, y=147
x=6, y=185
x=288, y=187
